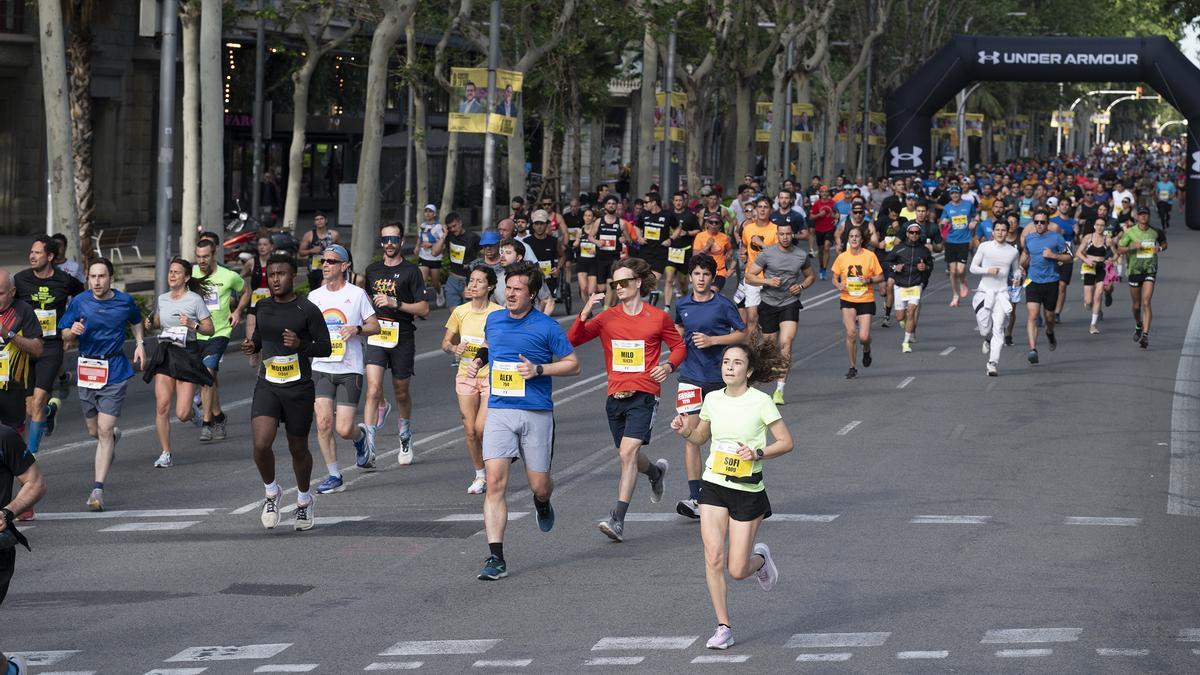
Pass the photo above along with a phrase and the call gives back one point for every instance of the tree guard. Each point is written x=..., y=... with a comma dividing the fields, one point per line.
x=965, y=59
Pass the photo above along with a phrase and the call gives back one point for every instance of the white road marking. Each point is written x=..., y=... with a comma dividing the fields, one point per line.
x=45, y=658
x=334, y=520
x=946, y=351
x=1092, y=520
x=1189, y=635
x=287, y=668
x=1021, y=635
x=1183, y=485
x=477, y=517
x=395, y=665
x=614, y=661
x=1110, y=651
x=950, y=520
x=805, y=517
x=176, y=671
x=848, y=428
x=824, y=658
x=152, y=526
x=68, y=672
x=905, y=382
x=428, y=647
x=923, y=655
x=651, y=517
x=126, y=433
x=826, y=640
x=722, y=658
x=509, y=663
x=230, y=653
x=149, y=513
x=1023, y=653
x=680, y=642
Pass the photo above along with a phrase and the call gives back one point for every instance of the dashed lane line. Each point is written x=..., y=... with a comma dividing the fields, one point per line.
x=824, y=658
x=1183, y=486
x=433, y=647
x=395, y=665
x=1027, y=635
x=946, y=351
x=1022, y=653
x=950, y=520
x=848, y=428
x=917, y=655
x=1093, y=520
x=646, y=642
x=834, y=640
x=905, y=382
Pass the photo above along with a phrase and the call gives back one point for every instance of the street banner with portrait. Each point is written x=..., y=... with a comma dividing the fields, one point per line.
x=674, y=117
x=1018, y=125
x=877, y=134
x=974, y=124
x=944, y=124
x=764, y=117
x=803, y=115
x=1062, y=119
x=999, y=131
x=1101, y=117
x=468, y=102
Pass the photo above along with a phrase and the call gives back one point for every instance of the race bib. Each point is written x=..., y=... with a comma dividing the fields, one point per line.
x=259, y=294
x=1026, y=210
x=856, y=286
x=471, y=348
x=545, y=267
x=91, y=373
x=1145, y=250
x=889, y=243
x=174, y=335
x=1164, y=195
x=1087, y=269
x=688, y=399
x=910, y=293
x=587, y=249
x=48, y=319
x=653, y=233
x=629, y=356
x=675, y=255
x=212, y=300
x=728, y=463
x=316, y=263
x=5, y=366
x=388, y=336
x=608, y=242
x=959, y=222
x=282, y=369
x=506, y=381
x=337, y=352
x=458, y=253
x=574, y=232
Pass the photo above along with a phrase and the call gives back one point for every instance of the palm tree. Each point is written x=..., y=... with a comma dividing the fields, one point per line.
x=79, y=61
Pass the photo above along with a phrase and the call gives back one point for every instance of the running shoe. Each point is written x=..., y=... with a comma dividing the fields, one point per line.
x=777, y=397
x=867, y=358
x=52, y=407
x=1108, y=298
x=1057, y=317
x=824, y=275
x=478, y=486
x=993, y=369
x=954, y=301
x=406, y=452
x=613, y=528
x=26, y=515
x=382, y=414
x=721, y=639
x=545, y=523
x=852, y=373
x=1137, y=333
x=1053, y=341
x=1144, y=343
x=369, y=443
x=304, y=516
x=963, y=291
x=197, y=411
x=768, y=574
x=656, y=486
x=270, y=511
x=218, y=429
x=1094, y=329
x=987, y=347
x=1008, y=341
x=902, y=321
x=493, y=569
x=906, y=347
x=887, y=321
x=914, y=339
x=206, y=433
x=116, y=437
x=163, y=461
x=95, y=500
x=16, y=665
x=688, y=508
x=330, y=485
x=1032, y=356
x=360, y=447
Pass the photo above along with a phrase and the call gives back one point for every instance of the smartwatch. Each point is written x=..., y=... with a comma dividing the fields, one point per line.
x=758, y=453
x=539, y=370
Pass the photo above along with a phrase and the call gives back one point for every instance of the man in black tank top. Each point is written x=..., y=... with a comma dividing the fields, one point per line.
x=549, y=253
x=654, y=238
x=610, y=234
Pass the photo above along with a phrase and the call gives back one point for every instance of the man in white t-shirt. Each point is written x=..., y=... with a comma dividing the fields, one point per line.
x=432, y=240
x=1119, y=195
x=338, y=378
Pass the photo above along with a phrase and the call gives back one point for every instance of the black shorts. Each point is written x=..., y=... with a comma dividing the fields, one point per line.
x=1044, y=294
x=585, y=266
x=860, y=308
x=770, y=316
x=1093, y=279
x=706, y=388
x=399, y=359
x=430, y=264
x=743, y=506
x=45, y=369
x=631, y=417
x=12, y=406
x=1065, y=270
x=291, y=404
x=957, y=253
x=657, y=262
x=604, y=265
x=719, y=283
x=1136, y=280
x=827, y=237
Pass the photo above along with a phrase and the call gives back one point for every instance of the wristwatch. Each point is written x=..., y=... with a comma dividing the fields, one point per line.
x=758, y=453
x=540, y=370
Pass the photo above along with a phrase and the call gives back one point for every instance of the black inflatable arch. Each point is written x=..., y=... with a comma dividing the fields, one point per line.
x=966, y=59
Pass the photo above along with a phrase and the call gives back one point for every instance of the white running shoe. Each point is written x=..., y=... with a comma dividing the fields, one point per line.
x=768, y=574
x=987, y=347
x=405, y=456
x=304, y=516
x=722, y=639
x=163, y=461
x=270, y=511
x=95, y=500
x=992, y=369
x=478, y=486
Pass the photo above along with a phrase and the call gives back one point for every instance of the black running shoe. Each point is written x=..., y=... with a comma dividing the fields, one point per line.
x=1032, y=356
x=852, y=373
x=866, y=358
x=1008, y=341
x=1053, y=341
x=1108, y=298
x=1144, y=343
x=1137, y=333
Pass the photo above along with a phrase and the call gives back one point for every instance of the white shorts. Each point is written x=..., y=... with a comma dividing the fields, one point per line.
x=747, y=295
x=901, y=302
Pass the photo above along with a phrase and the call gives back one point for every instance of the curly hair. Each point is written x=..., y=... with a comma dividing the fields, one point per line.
x=763, y=357
x=641, y=270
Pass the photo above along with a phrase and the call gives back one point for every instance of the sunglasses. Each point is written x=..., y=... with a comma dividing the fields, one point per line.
x=389, y=240
x=620, y=283
x=1041, y=222
x=331, y=261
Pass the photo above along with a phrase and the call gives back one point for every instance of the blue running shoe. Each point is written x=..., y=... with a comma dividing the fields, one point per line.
x=361, y=454
x=493, y=569
x=544, y=523
x=330, y=485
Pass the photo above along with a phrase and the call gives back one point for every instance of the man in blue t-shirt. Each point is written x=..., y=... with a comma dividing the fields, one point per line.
x=1043, y=251
x=958, y=222
x=1164, y=194
x=1065, y=224
x=708, y=322
x=96, y=320
x=523, y=349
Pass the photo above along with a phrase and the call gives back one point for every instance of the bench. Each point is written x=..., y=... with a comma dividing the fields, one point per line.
x=116, y=238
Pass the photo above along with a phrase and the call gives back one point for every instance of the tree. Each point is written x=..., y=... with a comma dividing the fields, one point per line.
x=693, y=76
x=751, y=49
x=189, y=18
x=643, y=176
x=450, y=178
x=58, y=121
x=79, y=59
x=212, y=117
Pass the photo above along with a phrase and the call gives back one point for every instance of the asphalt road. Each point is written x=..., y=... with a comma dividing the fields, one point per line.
x=931, y=519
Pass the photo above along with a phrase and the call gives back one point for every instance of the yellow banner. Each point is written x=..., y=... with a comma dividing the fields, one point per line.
x=974, y=124
x=944, y=124
x=877, y=134
x=766, y=121
x=1062, y=119
x=468, y=104
x=1018, y=125
x=803, y=116
x=674, y=117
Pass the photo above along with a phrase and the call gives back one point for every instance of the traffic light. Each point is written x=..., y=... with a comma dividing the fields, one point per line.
x=1138, y=91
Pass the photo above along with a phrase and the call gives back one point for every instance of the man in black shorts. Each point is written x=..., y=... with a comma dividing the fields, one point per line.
x=289, y=330
x=654, y=238
x=783, y=273
x=550, y=257
x=20, y=345
x=47, y=290
x=16, y=463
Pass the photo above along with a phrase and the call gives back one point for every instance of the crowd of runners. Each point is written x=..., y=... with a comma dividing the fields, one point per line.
x=704, y=288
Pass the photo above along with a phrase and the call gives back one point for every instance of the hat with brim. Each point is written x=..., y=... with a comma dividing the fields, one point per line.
x=490, y=238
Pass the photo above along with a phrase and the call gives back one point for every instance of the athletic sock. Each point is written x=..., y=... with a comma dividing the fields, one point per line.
x=780, y=384
x=653, y=471
x=887, y=311
x=908, y=337
x=693, y=489
x=404, y=430
x=36, y=431
x=273, y=489
x=619, y=512
x=219, y=418
x=98, y=485
x=303, y=498
x=334, y=469
x=479, y=473
x=1095, y=318
x=497, y=550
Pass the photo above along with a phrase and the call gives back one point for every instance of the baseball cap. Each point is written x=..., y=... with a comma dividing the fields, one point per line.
x=1052, y=202
x=955, y=188
x=431, y=207
x=338, y=250
x=911, y=195
x=540, y=216
x=706, y=191
x=489, y=238
x=712, y=218
x=1143, y=209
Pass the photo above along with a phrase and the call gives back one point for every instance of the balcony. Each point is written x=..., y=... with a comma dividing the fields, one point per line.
x=12, y=15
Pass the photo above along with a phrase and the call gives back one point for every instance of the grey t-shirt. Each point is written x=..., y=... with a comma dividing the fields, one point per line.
x=788, y=266
x=169, y=311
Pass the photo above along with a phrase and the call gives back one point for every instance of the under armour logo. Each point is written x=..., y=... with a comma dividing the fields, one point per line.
x=913, y=157
x=1196, y=162
x=989, y=57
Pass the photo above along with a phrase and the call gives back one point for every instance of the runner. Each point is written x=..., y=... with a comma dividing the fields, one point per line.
x=62, y=262
x=1095, y=254
x=998, y=264
x=463, y=338
x=958, y=223
x=47, y=290
x=1143, y=243
x=756, y=234
x=782, y=271
x=429, y=254
x=854, y=273
x=254, y=287
x=549, y=254
x=462, y=247
x=290, y=331
x=181, y=315
x=733, y=499
x=1043, y=250
x=610, y=235
x=632, y=335
x=222, y=286
x=313, y=243
x=97, y=321
x=679, y=254
x=583, y=248
x=20, y=347
x=708, y=322
x=338, y=378
x=398, y=294
x=15, y=463
x=1165, y=190
x=654, y=238
x=1065, y=224
x=714, y=243
x=910, y=262
x=523, y=349
x=1014, y=238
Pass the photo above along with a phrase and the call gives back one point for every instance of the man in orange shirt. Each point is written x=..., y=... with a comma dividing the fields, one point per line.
x=757, y=234
x=855, y=272
x=717, y=244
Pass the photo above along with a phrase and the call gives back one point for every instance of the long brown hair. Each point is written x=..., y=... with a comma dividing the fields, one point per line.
x=641, y=270
x=763, y=357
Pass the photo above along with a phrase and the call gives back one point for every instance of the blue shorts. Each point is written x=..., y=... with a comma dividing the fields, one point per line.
x=211, y=351
x=631, y=417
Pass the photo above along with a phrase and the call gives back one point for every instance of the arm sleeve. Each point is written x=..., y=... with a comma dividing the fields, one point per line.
x=671, y=337
x=1014, y=267
x=584, y=331
x=319, y=345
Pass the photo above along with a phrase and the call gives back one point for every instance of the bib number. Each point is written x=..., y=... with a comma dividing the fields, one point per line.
x=5, y=366
x=629, y=356
x=91, y=373
x=388, y=336
x=856, y=287
x=587, y=249
x=545, y=267
x=608, y=242
x=1164, y=196
x=675, y=255
x=1145, y=250
x=176, y=335
x=731, y=464
x=259, y=294
x=48, y=319
x=212, y=300
x=337, y=353
x=688, y=399
x=889, y=243
x=959, y=222
x=653, y=233
x=457, y=253
x=910, y=294
x=282, y=369
x=506, y=381
x=472, y=347
x=1088, y=269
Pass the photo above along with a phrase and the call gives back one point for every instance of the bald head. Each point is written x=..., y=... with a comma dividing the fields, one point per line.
x=7, y=290
x=506, y=228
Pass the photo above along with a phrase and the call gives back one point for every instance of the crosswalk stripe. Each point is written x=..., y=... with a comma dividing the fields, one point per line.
x=151, y=526
x=1021, y=635
x=666, y=642
x=395, y=665
x=614, y=661
x=429, y=647
x=824, y=658
x=828, y=640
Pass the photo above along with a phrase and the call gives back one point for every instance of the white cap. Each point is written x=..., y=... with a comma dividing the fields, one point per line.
x=431, y=207
x=1052, y=202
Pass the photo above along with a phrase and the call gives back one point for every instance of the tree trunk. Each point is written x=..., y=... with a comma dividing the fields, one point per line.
x=212, y=117
x=550, y=172
x=420, y=150
x=556, y=158
x=79, y=58
x=301, y=79
x=693, y=116
x=576, y=148
x=643, y=169
x=366, y=204
x=190, y=205
x=58, y=122
x=451, y=176
x=743, y=149
x=804, y=162
x=775, y=168
x=516, y=156
x=829, y=150
x=853, y=139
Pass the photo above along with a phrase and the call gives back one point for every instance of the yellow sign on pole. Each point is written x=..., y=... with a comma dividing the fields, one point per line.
x=673, y=118
x=468, y=104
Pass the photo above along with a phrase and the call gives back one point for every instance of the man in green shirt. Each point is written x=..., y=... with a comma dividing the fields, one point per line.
x=1143, y=244
x=224, y=288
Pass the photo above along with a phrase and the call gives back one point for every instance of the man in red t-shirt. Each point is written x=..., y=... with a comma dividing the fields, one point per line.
x=824, y=217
